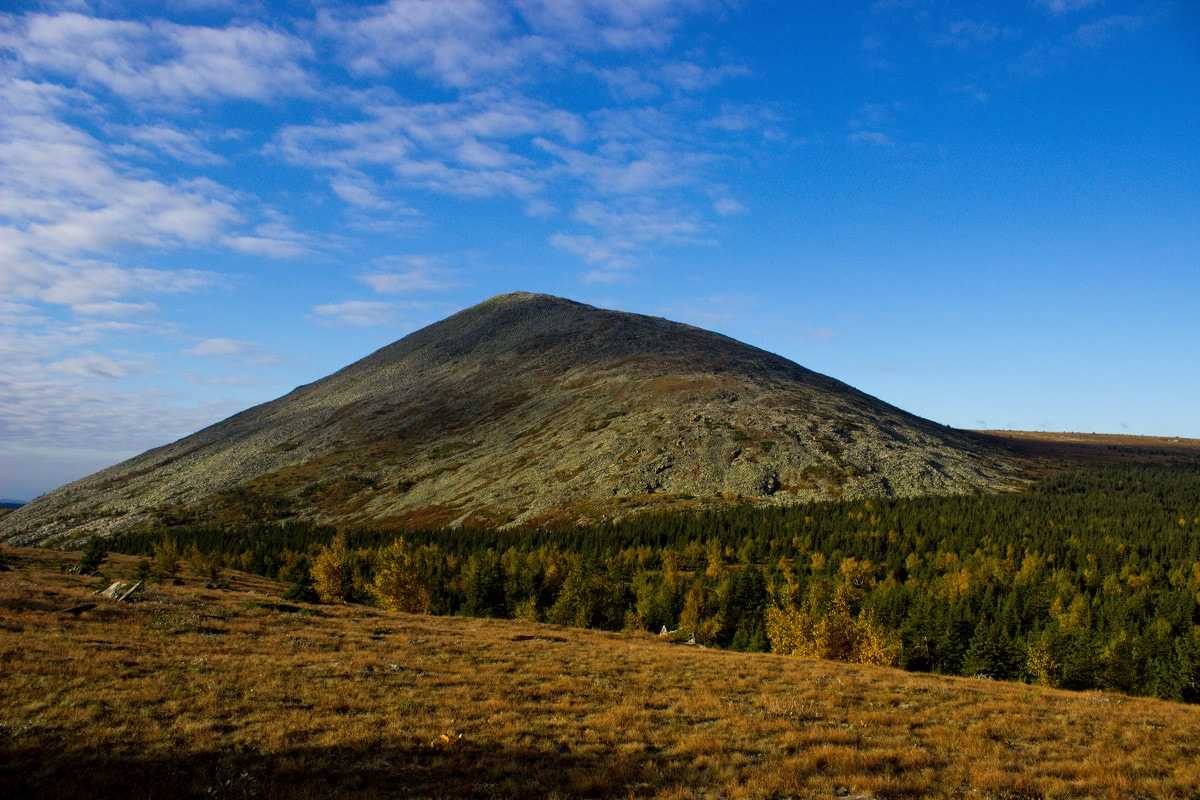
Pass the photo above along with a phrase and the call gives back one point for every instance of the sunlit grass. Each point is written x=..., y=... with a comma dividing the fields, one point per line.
x=232, y=693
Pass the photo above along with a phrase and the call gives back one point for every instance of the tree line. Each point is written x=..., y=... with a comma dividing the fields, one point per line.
x=1089, y=580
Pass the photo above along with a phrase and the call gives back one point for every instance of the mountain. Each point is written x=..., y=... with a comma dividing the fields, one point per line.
x=531, y=409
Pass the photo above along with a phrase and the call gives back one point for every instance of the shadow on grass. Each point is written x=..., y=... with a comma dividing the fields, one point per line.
x=386, y=770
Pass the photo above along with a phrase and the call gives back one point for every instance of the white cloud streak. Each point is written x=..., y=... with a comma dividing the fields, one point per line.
x=1059, y=7
x=358, y=313
x=219, y=347
x=149, y=60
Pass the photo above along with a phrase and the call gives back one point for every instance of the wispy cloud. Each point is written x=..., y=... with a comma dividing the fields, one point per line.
x=219, y=347
x=458, y=44
x=113, y=308
x=877, y=138
x=147, y=60
x=92, y=365
x=873, y=123
x=1047, y=56
x=728, y=206
x=166, y=140
x=1058, y=7
x=1100, y=32
x=965, y=34
x=689, y=76
x=470, y=42
x=460, y=148
x=409, y=274
x=616, y=239
x=359, y=313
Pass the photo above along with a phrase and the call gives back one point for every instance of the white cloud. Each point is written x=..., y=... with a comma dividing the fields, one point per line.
x=609, y=25
x=691, y=77
x=627, y=83
x=643, y=223
x=70, y=408
x=871, y=137
x=469, y=42
x=460, y=147
x=964, y=34
x=406, y=274
x=359, y=190
x=459, y=44
x=1102, y=31
x=624, y=168
x=92, y=365
x=273, y=238
x=63, y=199
x=748, y=118
x=219, y=347
x=159, y=59
x=171, y=142
x=971, y=91
x=1057, y=7
x=360, y=313
x=728, y=207
x=499, y=142
x=622, y=237
x=265, y=246
x=113, y=308
x=688, y=77
x=1045, y=57
x=614, y=253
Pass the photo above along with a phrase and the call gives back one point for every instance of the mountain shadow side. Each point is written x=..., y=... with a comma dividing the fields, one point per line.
x=531, y=409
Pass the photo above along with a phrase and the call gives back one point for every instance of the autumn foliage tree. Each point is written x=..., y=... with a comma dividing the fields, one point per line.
x=331, y=572
x=836, y=628
x=399, y=583
x=165, y=563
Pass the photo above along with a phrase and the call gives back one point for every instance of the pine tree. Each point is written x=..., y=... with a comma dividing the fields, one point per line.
x=93, y=556
x=166, y=559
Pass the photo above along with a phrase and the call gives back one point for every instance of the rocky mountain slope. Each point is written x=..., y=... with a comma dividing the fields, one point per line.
x=531, y=409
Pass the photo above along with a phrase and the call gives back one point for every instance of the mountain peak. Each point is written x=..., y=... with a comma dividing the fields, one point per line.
x=524, y=297
x=530, y=409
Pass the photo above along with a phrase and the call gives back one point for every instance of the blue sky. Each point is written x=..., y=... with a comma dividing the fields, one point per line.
x=986, y=213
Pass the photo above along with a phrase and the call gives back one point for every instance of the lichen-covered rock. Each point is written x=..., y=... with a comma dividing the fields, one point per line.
x=121, y=591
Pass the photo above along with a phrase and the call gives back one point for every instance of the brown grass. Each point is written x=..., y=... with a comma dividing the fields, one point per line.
x=233, y=693
x=1074, y=449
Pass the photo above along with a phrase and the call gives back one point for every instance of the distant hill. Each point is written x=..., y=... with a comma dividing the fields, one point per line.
x=11, y=504
x=532, y=409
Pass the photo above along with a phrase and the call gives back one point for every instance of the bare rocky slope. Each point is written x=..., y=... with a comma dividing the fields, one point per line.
x=530, y=409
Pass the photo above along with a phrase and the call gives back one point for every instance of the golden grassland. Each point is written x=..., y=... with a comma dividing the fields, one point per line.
x=231, y=692
x=1056, y=449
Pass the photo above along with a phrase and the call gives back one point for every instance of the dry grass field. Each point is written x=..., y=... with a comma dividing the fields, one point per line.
x=233, y=693
x=1056, y=449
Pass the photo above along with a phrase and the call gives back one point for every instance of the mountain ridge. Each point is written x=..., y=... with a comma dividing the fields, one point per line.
x=531, y=409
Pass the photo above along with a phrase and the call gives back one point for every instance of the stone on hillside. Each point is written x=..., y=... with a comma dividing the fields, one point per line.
x=121, y=591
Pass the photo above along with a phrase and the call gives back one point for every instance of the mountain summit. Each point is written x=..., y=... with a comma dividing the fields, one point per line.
x=530, y=409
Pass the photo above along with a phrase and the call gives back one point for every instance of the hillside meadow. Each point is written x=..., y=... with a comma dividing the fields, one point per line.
x=233, y=692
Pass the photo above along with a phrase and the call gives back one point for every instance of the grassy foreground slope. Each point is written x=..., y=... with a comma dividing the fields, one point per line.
x=232, y=693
